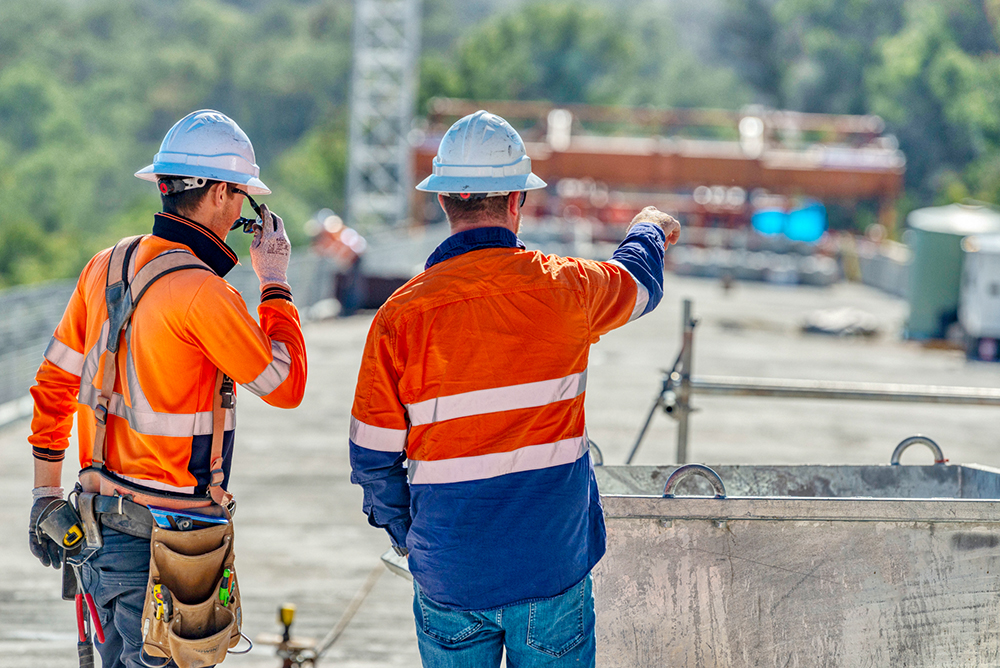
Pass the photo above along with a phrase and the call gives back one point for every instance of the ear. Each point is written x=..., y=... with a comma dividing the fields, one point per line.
x=513, y=204
x=441, y=203
x=219, y=192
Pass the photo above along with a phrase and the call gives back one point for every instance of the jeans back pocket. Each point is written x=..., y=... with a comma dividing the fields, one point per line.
x=556, y=625
x=445, y=625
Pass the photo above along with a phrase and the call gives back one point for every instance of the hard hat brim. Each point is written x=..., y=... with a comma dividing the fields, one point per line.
x=466, y=184
x=253, y=185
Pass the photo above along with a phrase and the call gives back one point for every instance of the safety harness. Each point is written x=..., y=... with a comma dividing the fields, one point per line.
x=124, y=289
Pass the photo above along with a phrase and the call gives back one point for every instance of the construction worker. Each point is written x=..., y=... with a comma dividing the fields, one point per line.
x=467, y=430
x=158, y=429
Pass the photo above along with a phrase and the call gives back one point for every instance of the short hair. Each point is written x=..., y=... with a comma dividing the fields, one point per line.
x=460, y=211
x=185, y=202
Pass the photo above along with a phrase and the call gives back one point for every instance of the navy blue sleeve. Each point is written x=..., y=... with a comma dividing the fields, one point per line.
x=641, y=253
x=386, y=490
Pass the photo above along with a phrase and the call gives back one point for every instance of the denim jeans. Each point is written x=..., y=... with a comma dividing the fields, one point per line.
x=116, y=577
x=557, y=631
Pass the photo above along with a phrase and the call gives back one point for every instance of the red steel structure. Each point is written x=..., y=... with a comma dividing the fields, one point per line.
x=827, y=157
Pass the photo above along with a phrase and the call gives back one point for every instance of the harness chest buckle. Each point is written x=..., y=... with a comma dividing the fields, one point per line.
x=101, y=411
x=228, y=396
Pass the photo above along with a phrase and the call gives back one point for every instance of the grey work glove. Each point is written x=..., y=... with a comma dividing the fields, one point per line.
x=664, y=221
x=270, y=249
x=48, y=551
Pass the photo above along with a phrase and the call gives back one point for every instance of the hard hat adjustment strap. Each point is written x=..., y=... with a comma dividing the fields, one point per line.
x=172, y=186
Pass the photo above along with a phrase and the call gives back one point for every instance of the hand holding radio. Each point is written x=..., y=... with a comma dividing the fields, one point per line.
x=270, y=250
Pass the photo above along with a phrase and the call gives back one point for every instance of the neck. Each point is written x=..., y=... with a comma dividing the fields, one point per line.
x=463, y=226
x=215, y=225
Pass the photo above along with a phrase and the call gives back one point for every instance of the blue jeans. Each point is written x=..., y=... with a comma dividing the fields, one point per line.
x=557, y=631
x=116, y=577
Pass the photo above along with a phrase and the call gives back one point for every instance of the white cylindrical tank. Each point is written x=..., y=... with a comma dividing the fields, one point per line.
x=979, y=303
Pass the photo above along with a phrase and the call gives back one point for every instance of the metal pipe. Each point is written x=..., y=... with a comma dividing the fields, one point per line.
x=812, y=389
x=649, y=418
x=682, y=410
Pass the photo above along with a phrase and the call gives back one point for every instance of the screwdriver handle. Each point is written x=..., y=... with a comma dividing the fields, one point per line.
x=85, y=650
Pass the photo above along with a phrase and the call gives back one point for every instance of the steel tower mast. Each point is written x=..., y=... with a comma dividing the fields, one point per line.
x=383, y=94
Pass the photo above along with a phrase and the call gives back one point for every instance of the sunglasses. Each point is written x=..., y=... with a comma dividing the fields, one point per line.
x=247, y=223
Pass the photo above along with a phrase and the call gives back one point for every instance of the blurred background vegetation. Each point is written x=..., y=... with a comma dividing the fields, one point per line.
x=88, y=88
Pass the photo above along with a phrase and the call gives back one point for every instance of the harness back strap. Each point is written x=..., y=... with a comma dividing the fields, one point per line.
x=122, y=295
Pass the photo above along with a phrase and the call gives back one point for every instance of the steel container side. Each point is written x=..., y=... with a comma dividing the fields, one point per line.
x=766, y=580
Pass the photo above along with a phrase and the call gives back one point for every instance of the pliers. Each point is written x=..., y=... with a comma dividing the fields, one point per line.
x=84, y=647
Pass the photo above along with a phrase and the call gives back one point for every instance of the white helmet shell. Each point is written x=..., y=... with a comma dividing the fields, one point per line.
x=211, y=145
x=481, y=153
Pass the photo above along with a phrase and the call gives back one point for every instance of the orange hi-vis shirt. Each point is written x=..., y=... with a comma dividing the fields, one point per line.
x=468, y=432
x=187, y=325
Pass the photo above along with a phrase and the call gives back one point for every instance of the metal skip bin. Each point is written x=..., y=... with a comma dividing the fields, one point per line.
x=800, y=566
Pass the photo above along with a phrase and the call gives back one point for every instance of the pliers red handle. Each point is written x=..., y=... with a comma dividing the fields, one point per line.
x=81, y=618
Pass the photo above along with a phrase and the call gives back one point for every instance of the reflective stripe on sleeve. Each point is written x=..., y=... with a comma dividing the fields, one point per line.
x=641, y=293
x=64, y=357
x=495, y=400
x=377, y=438
x=149, y=423
x=479, y=467
x=275, y=373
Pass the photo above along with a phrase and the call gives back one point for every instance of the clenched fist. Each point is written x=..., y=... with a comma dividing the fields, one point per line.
x=664, y=221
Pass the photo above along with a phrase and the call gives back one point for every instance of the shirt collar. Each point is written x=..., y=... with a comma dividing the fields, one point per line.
x=474, y=239
x=209, y=248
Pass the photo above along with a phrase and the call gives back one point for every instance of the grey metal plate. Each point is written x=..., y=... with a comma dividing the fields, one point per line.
x=798, y=593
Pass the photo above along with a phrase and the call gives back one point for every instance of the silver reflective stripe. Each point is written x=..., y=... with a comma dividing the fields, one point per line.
x=275, y=373
x=64, y=357
x=135, y=394
x=153, y=484
x=480, y=467
x=377, y=438
x=495, y=400
x=641, y=293
x=149, y=423
x=93, y=357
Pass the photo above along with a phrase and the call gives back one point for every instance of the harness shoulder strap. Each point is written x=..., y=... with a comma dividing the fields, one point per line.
x=122, y=295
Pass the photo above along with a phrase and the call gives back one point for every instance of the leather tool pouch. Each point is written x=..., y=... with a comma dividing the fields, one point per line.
x=198, y=629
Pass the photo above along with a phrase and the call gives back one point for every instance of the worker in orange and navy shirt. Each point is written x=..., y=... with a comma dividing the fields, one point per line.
x=467, y=433
x=188, y=324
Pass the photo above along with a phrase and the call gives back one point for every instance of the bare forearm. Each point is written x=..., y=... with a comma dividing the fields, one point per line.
x=48, y=474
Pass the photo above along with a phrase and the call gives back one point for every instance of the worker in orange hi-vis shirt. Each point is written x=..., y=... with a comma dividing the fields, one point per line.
x=146, y=356
x=467, y=431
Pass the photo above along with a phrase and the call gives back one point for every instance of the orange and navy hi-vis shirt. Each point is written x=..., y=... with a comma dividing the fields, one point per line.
x=187, y=325
x=467, y=431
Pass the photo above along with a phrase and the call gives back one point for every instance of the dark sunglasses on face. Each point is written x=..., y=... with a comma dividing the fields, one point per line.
x=247, y=223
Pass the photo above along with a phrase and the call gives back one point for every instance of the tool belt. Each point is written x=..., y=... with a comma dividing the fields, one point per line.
x=122, y=515
x=192, y=612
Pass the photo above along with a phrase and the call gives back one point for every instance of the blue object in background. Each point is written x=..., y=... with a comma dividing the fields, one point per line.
x=769, y=221
x=806, y=224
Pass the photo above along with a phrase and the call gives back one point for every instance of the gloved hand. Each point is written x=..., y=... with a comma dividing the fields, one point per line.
x=270, y=249
x=48, y=551
x=664, y=221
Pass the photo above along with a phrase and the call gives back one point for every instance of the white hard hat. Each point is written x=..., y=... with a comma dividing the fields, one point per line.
x=207, y=144
x=481, y=153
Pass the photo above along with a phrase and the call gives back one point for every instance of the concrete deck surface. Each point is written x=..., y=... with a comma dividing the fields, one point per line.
x=301, y=535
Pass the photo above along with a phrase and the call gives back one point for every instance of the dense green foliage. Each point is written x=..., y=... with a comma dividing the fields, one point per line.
x=89, y=87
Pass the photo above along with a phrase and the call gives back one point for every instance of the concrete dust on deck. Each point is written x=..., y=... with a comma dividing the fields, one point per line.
x=301, y=535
